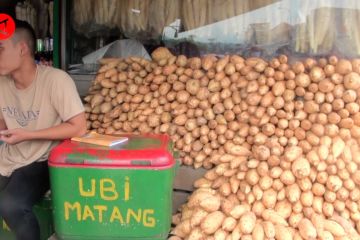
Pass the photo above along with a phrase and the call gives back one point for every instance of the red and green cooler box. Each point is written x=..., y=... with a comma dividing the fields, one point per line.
x=122, y=192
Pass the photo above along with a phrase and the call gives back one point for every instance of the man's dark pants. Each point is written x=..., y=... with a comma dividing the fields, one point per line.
x=18, y=194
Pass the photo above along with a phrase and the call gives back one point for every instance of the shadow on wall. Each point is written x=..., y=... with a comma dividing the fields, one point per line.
x=8, y=7
x=186, y=48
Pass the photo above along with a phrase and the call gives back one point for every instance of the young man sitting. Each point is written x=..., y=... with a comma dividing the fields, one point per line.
x=39, y=106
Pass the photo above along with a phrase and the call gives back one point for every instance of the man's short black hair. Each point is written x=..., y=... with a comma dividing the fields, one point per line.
x=24, y=31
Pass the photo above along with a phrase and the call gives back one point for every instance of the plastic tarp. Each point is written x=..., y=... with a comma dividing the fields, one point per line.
x=117, y=49
x=120, y=48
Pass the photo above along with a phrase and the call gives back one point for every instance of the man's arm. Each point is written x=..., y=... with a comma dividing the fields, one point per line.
x=2, y=124
x=76, y=126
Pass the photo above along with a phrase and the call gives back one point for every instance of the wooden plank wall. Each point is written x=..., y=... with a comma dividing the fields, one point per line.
x=183, y=184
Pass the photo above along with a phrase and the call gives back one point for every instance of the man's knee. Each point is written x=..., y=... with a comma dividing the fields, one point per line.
x=11, y=208
x=19, y=217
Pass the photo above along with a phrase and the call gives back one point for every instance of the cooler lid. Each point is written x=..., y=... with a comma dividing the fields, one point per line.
x=140, y=151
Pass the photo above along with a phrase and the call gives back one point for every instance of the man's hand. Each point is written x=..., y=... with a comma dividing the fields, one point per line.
x=14, y=136
x=76, y=126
